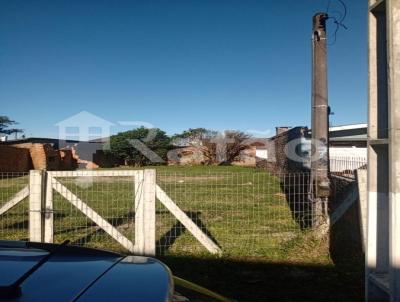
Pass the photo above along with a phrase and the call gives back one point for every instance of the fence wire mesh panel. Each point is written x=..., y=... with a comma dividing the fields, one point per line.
x=244, y=213
x=14, y=209
x=111, y=197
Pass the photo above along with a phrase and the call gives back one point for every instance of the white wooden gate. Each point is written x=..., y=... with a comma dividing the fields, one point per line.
x=42, y=184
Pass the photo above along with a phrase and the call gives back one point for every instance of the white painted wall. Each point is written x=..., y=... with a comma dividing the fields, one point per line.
x=262, y=153
x=348, y=152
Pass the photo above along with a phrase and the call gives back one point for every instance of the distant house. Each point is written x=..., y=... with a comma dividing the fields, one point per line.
x=290, y=148
x=192, y=152
x=347, y=147
x=256, y=151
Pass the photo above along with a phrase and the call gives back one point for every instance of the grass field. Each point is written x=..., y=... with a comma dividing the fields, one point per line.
x=245, y=211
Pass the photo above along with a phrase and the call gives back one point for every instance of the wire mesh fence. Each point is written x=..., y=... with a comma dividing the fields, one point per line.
x=112, y=197
x=251, y=213
x=246, y=213
x=14, y=214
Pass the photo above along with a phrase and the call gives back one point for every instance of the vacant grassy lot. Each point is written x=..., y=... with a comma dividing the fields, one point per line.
x=249, y=213
x=244, y=210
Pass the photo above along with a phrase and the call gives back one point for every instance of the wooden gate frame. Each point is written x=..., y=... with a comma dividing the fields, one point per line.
x=41, y=219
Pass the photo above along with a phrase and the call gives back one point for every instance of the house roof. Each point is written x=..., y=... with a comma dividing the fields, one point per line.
x=40, y=140
x=348, y=127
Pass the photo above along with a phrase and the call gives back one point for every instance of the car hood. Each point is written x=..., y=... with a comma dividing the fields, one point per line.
x=80, y=274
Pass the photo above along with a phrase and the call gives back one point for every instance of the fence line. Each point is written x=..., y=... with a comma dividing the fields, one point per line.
x=244, y=213
x=239, y=213
x=14, y=211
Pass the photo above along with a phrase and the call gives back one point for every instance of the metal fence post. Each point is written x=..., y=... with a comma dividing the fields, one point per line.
x=35, y=205
x=145, y=212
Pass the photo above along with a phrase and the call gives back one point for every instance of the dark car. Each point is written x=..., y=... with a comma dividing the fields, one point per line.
x=31, y=271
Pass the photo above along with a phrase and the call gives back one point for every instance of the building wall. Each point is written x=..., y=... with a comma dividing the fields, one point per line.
x=26, y=156
x=14, y=159
x=43, y=156
x=186, y=156
x=280, y=148
x=247, y=157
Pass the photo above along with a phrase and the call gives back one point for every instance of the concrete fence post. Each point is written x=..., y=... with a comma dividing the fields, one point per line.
x=145, y=212
x=35, y=205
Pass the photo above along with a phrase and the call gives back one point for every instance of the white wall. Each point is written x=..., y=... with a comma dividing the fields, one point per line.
x=262, y=153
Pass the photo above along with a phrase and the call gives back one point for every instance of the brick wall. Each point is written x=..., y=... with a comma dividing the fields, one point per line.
x=52, y=157
x=14, y=159
x=40, y=157
x=44, y=157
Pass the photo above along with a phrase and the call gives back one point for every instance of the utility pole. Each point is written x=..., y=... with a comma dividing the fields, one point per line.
x=320, y=186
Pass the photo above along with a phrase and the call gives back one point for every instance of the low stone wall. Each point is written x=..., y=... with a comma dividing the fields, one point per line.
x=14, y=159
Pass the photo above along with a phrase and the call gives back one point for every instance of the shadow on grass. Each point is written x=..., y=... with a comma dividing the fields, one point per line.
x=115, y=221
x=295, y=187
x=24, y=224
x=178, y=229
x=346, y=244
x=257, y=280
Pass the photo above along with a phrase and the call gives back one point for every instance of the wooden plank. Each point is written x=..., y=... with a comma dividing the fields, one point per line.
x=93, y=215
x=145, y=213
x=18, y=197
x=187, y=222
x=92, y=173
x=139, y=214
x=35, y=206
x=48, y=214
x=149, y=200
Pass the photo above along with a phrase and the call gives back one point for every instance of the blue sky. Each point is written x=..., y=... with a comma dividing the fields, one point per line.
x=220, y=64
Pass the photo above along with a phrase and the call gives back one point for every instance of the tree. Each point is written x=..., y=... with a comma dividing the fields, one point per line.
x=5, y=122
x=192, y=137
x=141, y=146
x=225, y=147
x=216, y=147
